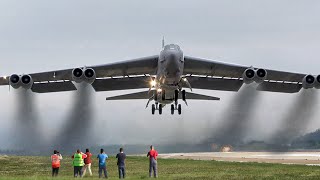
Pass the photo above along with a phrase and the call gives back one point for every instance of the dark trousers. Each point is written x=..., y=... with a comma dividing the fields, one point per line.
x=77, y=170
x=55, y=172
x=122, y=171
x=153, y=166
x=104, y=169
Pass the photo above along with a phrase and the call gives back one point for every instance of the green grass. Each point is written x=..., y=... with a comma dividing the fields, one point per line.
x=32, y=167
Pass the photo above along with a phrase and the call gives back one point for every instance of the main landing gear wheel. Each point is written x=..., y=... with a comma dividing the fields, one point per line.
x=153, y=108
x=160, y=108
x=179, y=109
x=184, y=95
x=172, y=109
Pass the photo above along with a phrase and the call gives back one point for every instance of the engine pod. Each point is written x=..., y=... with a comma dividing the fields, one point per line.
x=317, y=83
x=26, y=81
x=77, y=75
x=308, y=81
x=248, y=75
x=15, y=81
x=260, y=75
x=89, y=75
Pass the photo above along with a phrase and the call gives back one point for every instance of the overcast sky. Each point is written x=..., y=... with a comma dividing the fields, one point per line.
x=48, y=35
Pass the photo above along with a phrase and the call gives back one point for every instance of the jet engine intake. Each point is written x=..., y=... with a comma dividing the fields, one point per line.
x=317, y=83
x=260, y=75
x=26, y=81
x=248, y=76
x=15, y=81
x=308, y=81
x=87, y=75
x=77, y=75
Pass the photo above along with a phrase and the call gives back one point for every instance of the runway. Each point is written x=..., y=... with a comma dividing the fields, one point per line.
x=306, y=158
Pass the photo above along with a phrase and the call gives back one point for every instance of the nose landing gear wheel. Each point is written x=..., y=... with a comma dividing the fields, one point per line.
x=172, y=109
x=153, y=108
x=179, y=109
x=160, y=108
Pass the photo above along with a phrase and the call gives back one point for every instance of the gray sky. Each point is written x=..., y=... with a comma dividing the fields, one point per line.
x=47, y=35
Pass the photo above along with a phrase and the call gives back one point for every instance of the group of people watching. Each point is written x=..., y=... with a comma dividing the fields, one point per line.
x=82, y=162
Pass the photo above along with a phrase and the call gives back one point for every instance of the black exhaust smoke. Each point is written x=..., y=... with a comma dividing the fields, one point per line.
x=76, y=131
x=295, y=122
x=236, y=117
x=26, y=131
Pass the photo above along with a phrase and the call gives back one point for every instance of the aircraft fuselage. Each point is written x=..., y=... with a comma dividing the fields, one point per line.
x=169, y=73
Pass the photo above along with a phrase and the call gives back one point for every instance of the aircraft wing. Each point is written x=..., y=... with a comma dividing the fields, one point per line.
x=230, y=75
x=47, y=81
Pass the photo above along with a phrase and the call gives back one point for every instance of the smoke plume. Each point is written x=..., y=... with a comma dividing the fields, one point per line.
x=297, y=118
x=236, y=117
x=76, y=131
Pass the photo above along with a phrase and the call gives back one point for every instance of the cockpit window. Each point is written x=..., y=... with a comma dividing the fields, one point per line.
x=171, y=47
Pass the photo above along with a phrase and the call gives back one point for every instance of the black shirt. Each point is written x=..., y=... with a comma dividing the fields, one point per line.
x=121, y=157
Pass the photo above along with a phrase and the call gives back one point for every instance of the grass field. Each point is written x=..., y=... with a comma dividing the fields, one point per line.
x=30, y=167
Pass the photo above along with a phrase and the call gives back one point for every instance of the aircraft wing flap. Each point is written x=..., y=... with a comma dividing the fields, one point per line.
x=215, y=83
x=48, y=87
x=279, y=87
x=194, y=96
x=112, y=84
x=137, y=95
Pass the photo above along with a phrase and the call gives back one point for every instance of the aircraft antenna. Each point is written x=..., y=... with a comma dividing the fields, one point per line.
x=162, y=42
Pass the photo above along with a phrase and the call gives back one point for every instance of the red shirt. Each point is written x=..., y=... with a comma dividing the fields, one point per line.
x=88, y=159
x=153, y=154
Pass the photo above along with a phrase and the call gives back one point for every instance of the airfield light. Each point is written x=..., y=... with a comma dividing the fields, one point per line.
x=184, y=79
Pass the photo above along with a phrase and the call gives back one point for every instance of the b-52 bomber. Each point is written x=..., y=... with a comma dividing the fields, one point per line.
x=166, y=78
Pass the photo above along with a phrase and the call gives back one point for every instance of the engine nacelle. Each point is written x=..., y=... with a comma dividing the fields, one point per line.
x=15, y=81
x=308, y=81
x=89, y=75
x=77, y=75
x=260, y=75
x=317, y=83
x=248, y=75
x=26, y=81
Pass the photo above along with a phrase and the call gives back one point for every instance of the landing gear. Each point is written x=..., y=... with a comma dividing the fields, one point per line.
x=179, y=109
x=176, y=107
x=172, y=109
x=183, y=95
x=160, y=109
x=153, y=108
x=176, y=96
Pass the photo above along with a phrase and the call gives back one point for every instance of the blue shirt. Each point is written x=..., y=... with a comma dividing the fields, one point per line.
x=102, y=159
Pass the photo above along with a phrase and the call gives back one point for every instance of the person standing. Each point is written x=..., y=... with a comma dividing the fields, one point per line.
x=87, y=163
x=152, y=154
x=78, y=163
x=102, y=163
x=55, y=162
x=121, y=163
